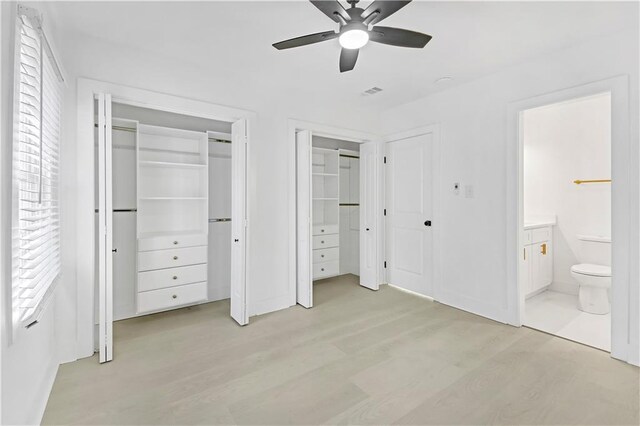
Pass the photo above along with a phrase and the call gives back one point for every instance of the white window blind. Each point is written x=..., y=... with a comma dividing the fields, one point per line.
x=36, y=209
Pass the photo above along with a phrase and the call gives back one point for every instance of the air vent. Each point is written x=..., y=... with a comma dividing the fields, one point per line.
x=372, y=91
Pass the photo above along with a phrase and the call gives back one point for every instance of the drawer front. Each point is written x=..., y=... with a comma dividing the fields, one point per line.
x=326, y=241
x=326, y=255
x=540, y=235
x=170, y=242
x=160, y=259
x=171, y=297
x=163, y=278
x=325, y=269
x=325, y=229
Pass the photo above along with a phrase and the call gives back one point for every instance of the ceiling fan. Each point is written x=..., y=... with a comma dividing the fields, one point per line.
x=357, y=27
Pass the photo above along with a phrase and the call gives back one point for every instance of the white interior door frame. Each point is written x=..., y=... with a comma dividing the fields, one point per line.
x=317, y=129
x=87, y=90
x=433, y=129
x=625, y=335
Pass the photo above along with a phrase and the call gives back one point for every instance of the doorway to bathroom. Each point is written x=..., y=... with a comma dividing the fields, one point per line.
x=565, y=273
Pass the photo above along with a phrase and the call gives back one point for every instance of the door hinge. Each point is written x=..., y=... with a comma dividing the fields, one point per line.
x=385, y=264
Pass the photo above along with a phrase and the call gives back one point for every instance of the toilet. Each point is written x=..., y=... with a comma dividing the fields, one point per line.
x=594, y=275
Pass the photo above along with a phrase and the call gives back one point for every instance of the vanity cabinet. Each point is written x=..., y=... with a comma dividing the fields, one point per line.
x=537, y=255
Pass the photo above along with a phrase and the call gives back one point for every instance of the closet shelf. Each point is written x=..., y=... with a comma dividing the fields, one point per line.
x=170, y=198
x=147, y=163
x=326, y=174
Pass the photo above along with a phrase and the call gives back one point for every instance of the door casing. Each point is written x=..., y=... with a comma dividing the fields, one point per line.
x=625, y=333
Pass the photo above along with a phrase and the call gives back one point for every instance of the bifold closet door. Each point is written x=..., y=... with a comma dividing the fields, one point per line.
x=369, y=214
x=239, y=138
x=303, y=211
x=105, y=229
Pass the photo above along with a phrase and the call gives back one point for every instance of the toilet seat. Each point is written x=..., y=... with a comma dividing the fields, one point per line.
x=592, y=270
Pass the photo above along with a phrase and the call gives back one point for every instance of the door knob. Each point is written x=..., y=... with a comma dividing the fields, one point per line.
x=175, y=257
x=427, y=223
x=367, y=229
x=236, y=240
x=115, y=250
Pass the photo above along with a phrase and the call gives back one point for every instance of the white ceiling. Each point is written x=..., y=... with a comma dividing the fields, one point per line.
x=232, y=40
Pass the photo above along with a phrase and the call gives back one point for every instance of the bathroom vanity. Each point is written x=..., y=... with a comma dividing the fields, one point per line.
x=537, y=255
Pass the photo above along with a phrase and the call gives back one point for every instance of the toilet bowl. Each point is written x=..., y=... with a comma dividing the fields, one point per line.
x=594, y=281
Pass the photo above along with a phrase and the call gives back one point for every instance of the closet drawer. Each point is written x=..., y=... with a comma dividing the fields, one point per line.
x=174, y=241
x=326, y=255
x=326, y=241
x=160, y=259
x=325, y=269
x=539, y=235
x=325, y=229
x=170, y=297
x=171, y=277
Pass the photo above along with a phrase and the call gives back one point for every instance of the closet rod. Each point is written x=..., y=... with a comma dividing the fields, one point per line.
x=349, y=156
x=218, y=140
x=349, y=204
x=121, y=210
x=220, y=219
x=125, y=129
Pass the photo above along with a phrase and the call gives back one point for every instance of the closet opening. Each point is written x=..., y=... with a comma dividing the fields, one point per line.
x=335, y=177
x=333, y=245
x=163, y=190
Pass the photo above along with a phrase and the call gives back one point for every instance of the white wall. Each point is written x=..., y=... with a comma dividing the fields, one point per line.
x=562, y=143
x=473, y=120
x=29, y=357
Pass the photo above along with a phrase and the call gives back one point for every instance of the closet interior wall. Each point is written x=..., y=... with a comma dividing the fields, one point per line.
x=126, y=121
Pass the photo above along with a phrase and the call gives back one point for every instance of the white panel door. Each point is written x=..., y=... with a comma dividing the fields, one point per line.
x=369, y=211
x=105, y=230
x=409, y=212
x=303, y=211
x=239, y=136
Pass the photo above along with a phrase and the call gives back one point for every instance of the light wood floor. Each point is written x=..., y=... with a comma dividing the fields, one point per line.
x=357, y=357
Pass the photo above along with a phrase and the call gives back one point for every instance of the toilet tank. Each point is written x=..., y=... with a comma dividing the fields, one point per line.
x=594, y=249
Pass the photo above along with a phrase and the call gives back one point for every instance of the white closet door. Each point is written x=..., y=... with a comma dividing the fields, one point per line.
x=105, y=229
x=303, y=171
x=369, y=162
x=239, y=136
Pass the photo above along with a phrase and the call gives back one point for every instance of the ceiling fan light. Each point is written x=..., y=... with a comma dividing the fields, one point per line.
x=353, y=39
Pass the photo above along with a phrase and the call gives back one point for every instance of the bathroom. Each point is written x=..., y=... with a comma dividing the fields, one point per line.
x=565, y=272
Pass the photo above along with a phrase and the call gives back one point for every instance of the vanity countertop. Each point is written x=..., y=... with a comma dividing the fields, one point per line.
x=534, y=224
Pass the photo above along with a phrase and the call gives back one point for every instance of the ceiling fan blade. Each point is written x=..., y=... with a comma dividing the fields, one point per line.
x=305, y=40
x=348, y=58
x=332, y=9
x=383, y=9
x=399, y=37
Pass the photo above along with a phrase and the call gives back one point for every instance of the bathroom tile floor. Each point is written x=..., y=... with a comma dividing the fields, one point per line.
x=558, y=314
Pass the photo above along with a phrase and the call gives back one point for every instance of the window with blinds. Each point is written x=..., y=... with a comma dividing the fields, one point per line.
x=36, y=209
